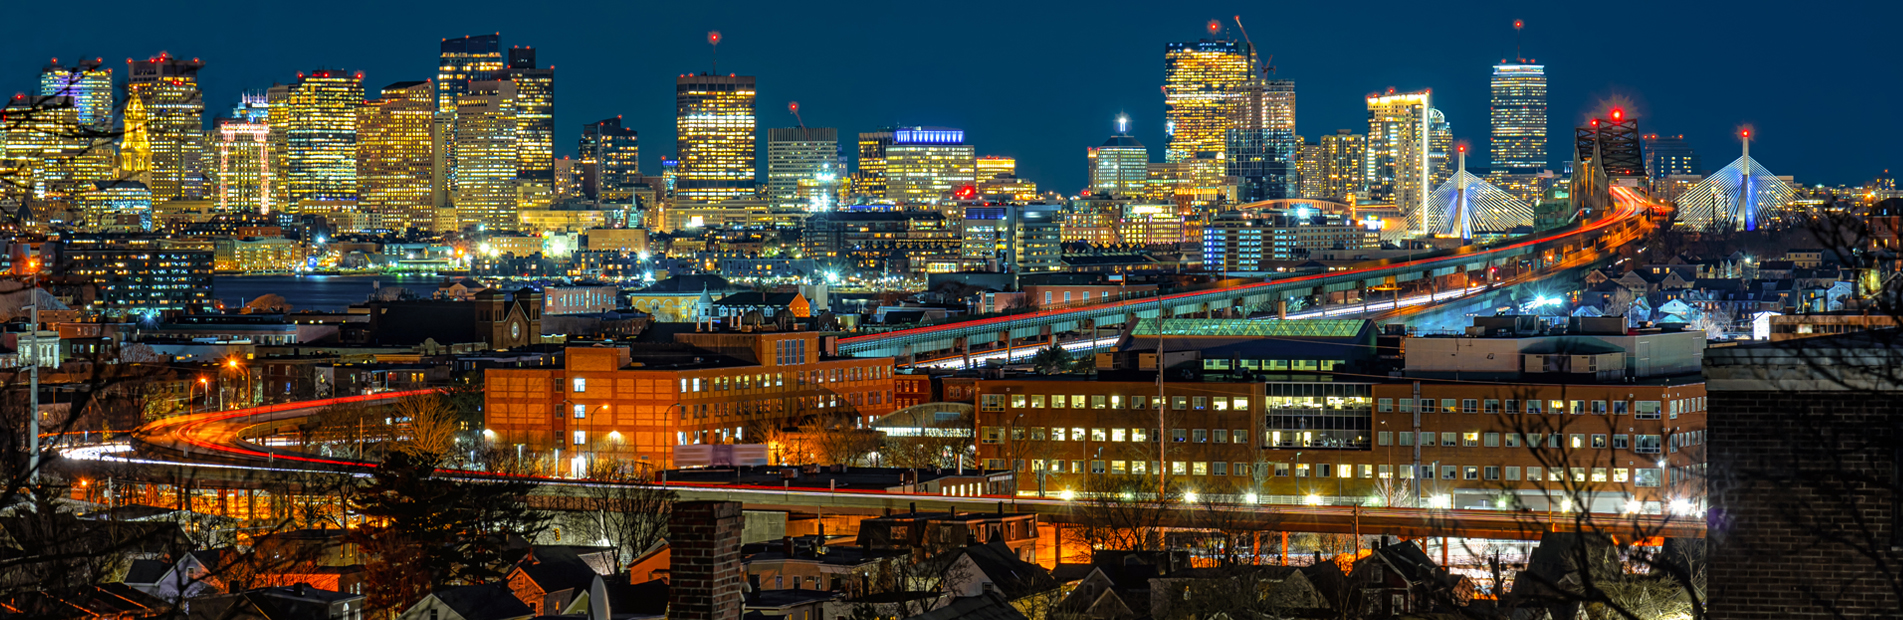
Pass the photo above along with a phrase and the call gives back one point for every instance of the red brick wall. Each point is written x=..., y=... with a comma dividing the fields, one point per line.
x=704, y=578
x=1803, y=488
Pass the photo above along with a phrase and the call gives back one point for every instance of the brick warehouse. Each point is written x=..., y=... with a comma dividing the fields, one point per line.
x=638, y=402
x=1805, y=478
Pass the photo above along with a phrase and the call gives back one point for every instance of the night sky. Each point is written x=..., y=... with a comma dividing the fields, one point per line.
x=1818, y=82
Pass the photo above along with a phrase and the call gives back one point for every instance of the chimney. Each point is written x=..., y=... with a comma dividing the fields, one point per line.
x=912, y=507
x=704, y=579
x=786, y=546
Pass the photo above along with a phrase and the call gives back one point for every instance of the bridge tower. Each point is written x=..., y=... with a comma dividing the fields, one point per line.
x=1606, y=152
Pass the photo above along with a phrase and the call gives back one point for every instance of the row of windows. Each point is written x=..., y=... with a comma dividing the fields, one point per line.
x=1643, y=444
x=1645, y=409
x=1642, y=477
x=996, y=402
x=748, y=382
x=994, y=434
x=1272, y=365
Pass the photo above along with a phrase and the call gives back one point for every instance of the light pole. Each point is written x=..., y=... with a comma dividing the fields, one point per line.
x=190, y=405
x=245, y=373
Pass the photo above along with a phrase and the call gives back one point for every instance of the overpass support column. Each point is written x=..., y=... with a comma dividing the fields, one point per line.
x=1045, y=333
x=1006, y=337
x=1281, y=308
x=905, y=355
x=964, y=349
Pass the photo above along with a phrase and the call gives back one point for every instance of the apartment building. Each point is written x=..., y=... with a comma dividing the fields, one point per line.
x=637, y=403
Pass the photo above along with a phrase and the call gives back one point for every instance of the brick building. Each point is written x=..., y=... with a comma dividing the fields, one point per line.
x=1632, y=442
x=1805, y=472
x=638, y=402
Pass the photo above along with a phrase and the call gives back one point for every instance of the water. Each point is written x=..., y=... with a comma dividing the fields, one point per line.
x=324, y=293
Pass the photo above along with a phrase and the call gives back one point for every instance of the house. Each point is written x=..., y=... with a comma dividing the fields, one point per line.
x=489, y=601
x=932, y=532
x=986, y=606
x=641, y=600
x=790, y=604
x=296, y=602
x=1398, y=579
x=459, y=290
x=770, y=305
x=549, y=577
x=1194, y=593
x=1115, y=585
x=189, y=577
x=994, y=567
x=807, y=563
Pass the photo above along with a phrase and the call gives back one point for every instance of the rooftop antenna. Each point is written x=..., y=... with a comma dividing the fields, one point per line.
x=713, y=40
x=794, y=107
x=1123, y=123
x=1518, y=25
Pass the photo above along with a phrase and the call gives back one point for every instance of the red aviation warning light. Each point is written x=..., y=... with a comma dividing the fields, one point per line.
x=1617, y=114
x=713, y=37
x=1214, y=27
x=1747, y=133
x=966, y=192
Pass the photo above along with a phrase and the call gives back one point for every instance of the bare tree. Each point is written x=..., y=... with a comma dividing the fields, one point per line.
x=625, y=509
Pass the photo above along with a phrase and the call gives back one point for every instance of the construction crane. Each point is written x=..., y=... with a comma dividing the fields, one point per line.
x=1269, y=67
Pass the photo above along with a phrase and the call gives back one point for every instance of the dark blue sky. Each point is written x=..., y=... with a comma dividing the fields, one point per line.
x=1819, y=82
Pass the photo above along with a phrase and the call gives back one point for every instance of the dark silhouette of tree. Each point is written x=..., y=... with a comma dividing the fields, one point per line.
x=424, y=531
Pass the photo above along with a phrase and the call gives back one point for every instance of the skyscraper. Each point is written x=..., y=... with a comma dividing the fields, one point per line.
x=1201, y=81
x=1440, y=148
x=244, y=171
x=482, y=176
x=1670, y=155
x=89, y=84
x=1342, y=157
x=320, y=159
x=463, y=60
x=1399, y=163
x=535, y=127
x=868, y=180
x=1262, y=145
x=610, y=161
x=714, y=135
x=1119, y=166
x=803, y=158
x=54, y=156
x=395, y=152
x=924, y=165
x=170, y=122
x=1519, y=118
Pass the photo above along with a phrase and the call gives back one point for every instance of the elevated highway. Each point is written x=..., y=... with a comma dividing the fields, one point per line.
x=1431, y=277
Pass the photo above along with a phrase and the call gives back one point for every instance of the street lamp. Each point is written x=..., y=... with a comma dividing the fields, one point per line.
x=245, y=372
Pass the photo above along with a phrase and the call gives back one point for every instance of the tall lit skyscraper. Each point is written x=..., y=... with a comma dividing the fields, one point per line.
x=1262, y=145
x=482, y=176
x=1399, y=162
x=803, y=157
x=465, y=59
x=1670, y=155
x=1201, y=81
x=1340, y=160
x=395, y=152
x=1519, y=118
x=320, y=159
x=89, y=84
x=245, y=161
x=924, y=165
x=277, y=105
x=610, y=161
x=714, y=135
x=535, y=127
x=868, y=180
x=170, y=120
x=1440, y=148
x=50, y=152
x=1120, y=165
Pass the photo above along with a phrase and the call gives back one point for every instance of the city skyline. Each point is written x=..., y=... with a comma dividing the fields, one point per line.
x=1043, y=131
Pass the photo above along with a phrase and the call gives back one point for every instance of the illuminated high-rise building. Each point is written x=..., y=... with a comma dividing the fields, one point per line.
x=925, y=165
x=1519, y=117
x=1440, y=148
x=1120, y=165
x=395, y=152
x=610, y=161
x=991, y=166
x=803, y=158
x=1399, y=163
x=1262, y=146
x=170, y=122
x=463, y=60
x=1201, y=81
x=245, y=163
x=868, y=180
x=535, y=127
x=50, y=153
x=88, y=83
x=1337, y=168
x=482, y=176
x=1670, y=156
x=277, y=106
x=320, y=158
x=714, y=136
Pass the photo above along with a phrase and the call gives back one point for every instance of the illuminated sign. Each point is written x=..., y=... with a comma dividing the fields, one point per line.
x=928, y=136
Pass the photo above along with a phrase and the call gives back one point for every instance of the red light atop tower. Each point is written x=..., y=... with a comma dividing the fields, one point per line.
x=1214, y=27
x=713, y=37
x=1747, y=133
x=1617, y=114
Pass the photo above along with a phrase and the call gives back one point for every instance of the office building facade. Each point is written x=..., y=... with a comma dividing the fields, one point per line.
x=165, y=145
x=803, y=168
x=246, y=163
x=1201, y=81
x=1518, y=112
x=610, y=160
x=714, y=121
x=321, y=137
x=485, y=146
x=535, y=127
x=1400, y=165
x=396, y=151
x=925, y=165
x=1120, y=165
x=462, y=60
x=868, y=179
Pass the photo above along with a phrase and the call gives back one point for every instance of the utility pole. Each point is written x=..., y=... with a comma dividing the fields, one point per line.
x=33, y=378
